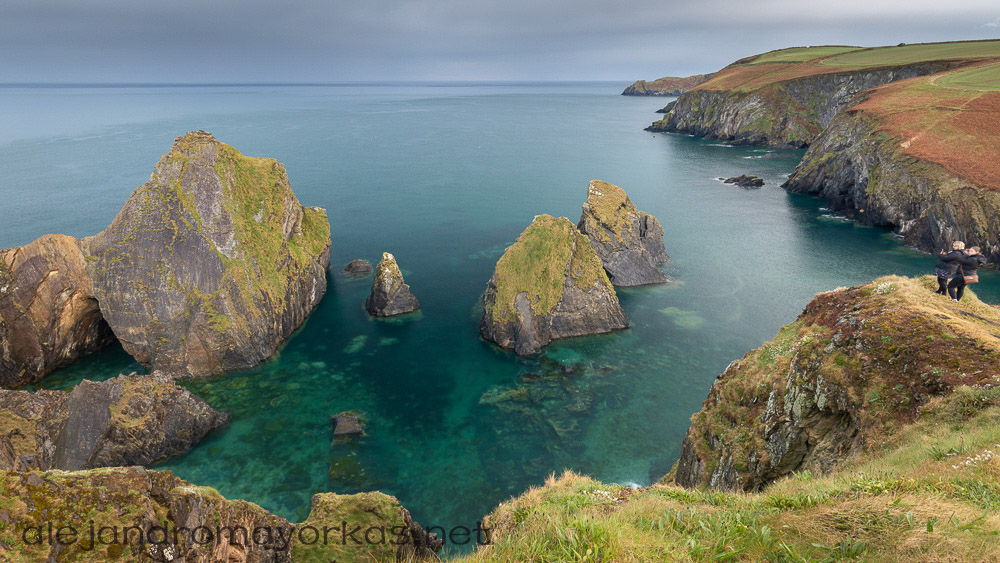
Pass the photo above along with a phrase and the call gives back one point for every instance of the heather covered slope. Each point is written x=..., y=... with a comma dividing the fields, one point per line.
x=880, y=407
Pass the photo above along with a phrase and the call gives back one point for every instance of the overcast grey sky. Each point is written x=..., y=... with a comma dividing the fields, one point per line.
x=364, y=40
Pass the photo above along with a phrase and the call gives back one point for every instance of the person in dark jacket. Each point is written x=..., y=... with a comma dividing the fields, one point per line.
x=970, y=263
x=948, y=266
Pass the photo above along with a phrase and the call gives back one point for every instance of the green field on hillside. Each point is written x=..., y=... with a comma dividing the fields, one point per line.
x=984, y=78
x=906, y=54
x=801, y=54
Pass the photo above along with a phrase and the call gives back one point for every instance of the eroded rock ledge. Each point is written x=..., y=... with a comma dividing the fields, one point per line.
x=125, y=420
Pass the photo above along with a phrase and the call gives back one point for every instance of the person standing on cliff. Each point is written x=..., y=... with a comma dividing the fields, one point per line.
x=971, y=261
x=948, y=265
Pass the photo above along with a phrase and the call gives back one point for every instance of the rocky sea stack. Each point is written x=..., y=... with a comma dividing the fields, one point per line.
x=126, y=420
x=629, y=242
x=390, y=294
x=549, y=284
x=857, y=365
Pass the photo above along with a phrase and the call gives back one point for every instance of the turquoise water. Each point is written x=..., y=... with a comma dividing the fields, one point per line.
x=445, y=176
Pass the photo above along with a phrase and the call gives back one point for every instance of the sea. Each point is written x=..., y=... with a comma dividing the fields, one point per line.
x=445, y=176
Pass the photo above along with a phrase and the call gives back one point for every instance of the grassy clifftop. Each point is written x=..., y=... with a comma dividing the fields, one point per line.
x=912, y=373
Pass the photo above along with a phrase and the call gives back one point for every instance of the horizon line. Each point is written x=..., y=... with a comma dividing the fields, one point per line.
x=343, y=83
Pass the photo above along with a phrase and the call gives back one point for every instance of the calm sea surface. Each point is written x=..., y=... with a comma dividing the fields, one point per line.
x=445, y=176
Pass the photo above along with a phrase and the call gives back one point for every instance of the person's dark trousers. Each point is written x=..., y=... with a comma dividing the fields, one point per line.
x=943, y=286
x=956, y=289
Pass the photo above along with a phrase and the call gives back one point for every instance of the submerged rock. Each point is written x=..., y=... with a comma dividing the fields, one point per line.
x=744, y=181
x=212, y=263
x=629, y=242
x=549, y=284
x=347, y=424
x=126, y=420
x=358, y=266
x=49, y=316
x=390, y=294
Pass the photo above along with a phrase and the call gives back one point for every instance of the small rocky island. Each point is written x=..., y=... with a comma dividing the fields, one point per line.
x=209, y=267
x=390, y=295
x=549, y=284
x=748, y=181
x=629, y=242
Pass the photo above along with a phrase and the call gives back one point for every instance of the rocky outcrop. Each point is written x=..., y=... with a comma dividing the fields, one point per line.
x=358, y=266
x=666, y=86
x=211, y=264
x=629, y=242
x=549, y=284
x=390, y=294
x=347, y=424
x=744, y=181
x=787, y=113
x=866, y=175
x=856, y=365
x=140, y=515
x=126, y=420
x=49, y=316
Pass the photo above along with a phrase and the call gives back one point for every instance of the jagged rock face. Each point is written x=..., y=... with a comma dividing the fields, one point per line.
x=788, y=113
x=549, y=284
x=209, y=528
x=857, y=364
x=211, y=264
x=390, y=294
x=49, y=316
x=126, y=420
x=866, y=176
x=629, y=242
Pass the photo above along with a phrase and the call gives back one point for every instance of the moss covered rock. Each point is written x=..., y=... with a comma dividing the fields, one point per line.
x=856, y=366
x=549, y=284
x=629, y=242
x=49, y=316
x=390, y=294
x=211, y=264
x=126, y=420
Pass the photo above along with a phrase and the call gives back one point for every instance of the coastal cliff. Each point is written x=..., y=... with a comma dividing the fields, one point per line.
x=786, y=113
x=666, y=86
x=854, y=368
x=549, y=284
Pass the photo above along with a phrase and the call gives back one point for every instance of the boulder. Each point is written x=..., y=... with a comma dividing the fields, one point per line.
x=346, y=424
x=629, y=242
x=127, y=420
x=212, y=263
x=358, y=266
x=390, y=294
x=744, y=181
x=549, y=284
x=49, y=316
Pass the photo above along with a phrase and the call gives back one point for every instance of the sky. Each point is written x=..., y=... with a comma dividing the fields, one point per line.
x=332, y=41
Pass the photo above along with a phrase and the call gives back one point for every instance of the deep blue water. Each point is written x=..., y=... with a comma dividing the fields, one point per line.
x=445, y=176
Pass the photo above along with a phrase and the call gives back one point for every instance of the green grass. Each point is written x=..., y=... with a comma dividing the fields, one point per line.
x=982, y=78
x=920, y=52
x=801, y=54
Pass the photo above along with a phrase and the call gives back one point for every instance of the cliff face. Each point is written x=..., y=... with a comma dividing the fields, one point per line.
x=211, y=264
x=49, y=316
x=126, y=420
x=140, y=515
x=787, y=113
x=549, y=284
x=855, y=367
x=629, y=242
x=867, y=174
